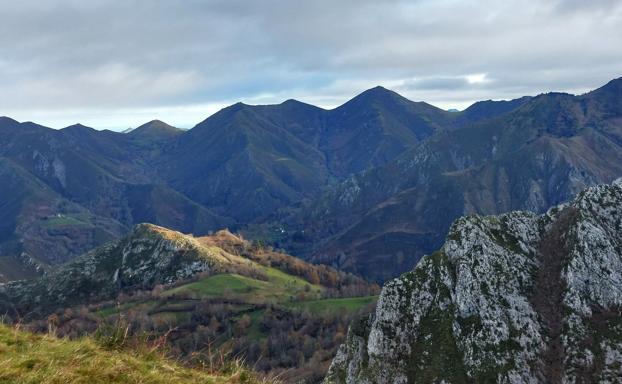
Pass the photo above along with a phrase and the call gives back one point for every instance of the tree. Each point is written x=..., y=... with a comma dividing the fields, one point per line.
x=314, y=278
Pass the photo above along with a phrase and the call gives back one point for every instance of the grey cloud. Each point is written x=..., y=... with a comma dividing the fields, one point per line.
x=112, y=57
x=587, y=6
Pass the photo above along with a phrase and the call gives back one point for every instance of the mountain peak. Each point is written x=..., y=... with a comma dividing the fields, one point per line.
x=8, y=122
x=294, y=105
x=293, y=102
x=386, y=98
x=79, y=129
x=78, y=126
x=154, y=124
x=7, y=119
x=379, y=90
x=239, y=105
x=614, y=83
x=155, y=129
x=608, y=97
x=612, y=87
x=377, y=94
x=233, y=109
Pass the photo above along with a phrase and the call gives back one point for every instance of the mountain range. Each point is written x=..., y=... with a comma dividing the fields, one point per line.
x=368, y=187
x=379, y=222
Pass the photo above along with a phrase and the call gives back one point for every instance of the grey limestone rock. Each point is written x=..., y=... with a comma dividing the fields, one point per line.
x=515, y=298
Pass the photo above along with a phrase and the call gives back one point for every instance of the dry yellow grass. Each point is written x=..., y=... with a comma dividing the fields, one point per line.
x=33, y=358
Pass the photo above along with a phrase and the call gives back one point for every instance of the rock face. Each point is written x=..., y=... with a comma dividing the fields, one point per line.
x=515, y=298
x=147, y=256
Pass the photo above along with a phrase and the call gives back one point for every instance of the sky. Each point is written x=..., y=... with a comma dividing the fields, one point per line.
x=118, y=64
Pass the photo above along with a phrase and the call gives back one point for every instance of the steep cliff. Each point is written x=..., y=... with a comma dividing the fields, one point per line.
x=515, y=298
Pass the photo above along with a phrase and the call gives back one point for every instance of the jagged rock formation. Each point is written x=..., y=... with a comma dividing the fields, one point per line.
x=147, y=256
x=515, y=298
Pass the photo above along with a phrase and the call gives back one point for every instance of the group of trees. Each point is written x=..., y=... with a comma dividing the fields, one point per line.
x=265, y=255
x=297, y=344
x=291, y=343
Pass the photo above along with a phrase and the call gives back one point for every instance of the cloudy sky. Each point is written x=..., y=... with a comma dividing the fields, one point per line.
x=117, y=64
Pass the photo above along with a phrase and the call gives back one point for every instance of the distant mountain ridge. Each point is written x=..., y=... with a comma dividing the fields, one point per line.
x=76, y=188
x=280, y=154
x=155, y=128
x=355, y=186
x=379, y=222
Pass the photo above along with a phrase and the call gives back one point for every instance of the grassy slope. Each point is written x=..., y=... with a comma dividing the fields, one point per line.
x=219, y=285
x=244, y=275
x=288, y=291
x=30, y=358
x=335, y=306
x=278, y=288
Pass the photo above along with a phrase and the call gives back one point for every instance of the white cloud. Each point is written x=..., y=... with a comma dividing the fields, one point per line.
x=478, y=78
x=186, y=116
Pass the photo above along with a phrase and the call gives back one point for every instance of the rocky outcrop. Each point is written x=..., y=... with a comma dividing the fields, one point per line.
x=147, y=256
x=515, y=298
